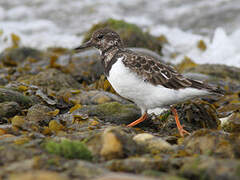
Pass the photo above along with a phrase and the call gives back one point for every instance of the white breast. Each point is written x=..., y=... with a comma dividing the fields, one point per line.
x=144, y=94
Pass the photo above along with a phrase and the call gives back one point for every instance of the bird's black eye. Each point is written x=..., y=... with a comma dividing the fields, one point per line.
x=100, y=36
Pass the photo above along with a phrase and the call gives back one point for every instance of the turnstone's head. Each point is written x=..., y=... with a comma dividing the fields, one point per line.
x=104, y=40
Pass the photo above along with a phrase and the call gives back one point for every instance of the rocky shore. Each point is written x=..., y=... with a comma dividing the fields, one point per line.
x=61, y=119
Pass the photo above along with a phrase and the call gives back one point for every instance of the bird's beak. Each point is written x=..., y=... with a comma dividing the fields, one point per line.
x=83, y=46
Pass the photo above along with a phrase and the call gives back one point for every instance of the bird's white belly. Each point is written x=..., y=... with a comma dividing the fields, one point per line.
x=144, y=94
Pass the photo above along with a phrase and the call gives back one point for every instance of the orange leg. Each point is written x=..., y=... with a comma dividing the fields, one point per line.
x=141, y=119
x=179, y=126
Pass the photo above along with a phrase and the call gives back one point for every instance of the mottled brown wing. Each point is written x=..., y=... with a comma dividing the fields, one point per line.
x=155, y=72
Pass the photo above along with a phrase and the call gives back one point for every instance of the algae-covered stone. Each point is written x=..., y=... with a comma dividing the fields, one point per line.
x=113, y=142
x=69, y=149
x=209, y=168
x=55, y=126
x=216, y=70
x=131, y=34
x=38, y=175
x=10, y=95
x=193, y=115
x=52, y=79
x=95, y=97
x=18, y=121
x=113, y=112
x=117, y=144
x=212, y=142
x=124, y=176
x=86, y=66
x=138, y=164
x=152, y=143
x=39, y=113
x=9, y=109
x=12, y=57
x=232, y=123
x=198, y=114
x=84, y=169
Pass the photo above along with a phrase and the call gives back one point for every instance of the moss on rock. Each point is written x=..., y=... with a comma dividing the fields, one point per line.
x=112, y=112
x=69, y=149
x=10, y=95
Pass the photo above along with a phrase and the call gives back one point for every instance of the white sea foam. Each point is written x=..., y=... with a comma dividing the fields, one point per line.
x=221, y=48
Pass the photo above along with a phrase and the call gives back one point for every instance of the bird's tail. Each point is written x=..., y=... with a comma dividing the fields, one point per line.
x=201, y=85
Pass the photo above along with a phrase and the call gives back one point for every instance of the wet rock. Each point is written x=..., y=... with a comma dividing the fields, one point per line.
x=12, y=57
x=199, y=114
x=19, y=166
x=55, y=126
x=113, y=142
x=162, y=175
x=38, y=175
x=228, y=105
x=18, y=121
x=84, y=169
x=138, y=164
x=39, y=113
x=152, y=144
x=3, y=81
x=123, y=176
x=113, y=112
x=52, y=79
x=212, y=142
x=131, y=34
x=216, y=70
x=232, y=123
x=96, y=97
x=14, y=96
x=205, y=167
x=85, y=66
x=116, y=144
x=13, y=153
x=9, y=109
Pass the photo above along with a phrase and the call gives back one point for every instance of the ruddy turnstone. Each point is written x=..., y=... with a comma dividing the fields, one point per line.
x=142, y=79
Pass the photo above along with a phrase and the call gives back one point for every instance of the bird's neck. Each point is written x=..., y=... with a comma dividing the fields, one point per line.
x=108, y=58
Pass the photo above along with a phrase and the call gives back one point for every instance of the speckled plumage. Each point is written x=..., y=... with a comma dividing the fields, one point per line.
x=149, y=69
x=143, y=79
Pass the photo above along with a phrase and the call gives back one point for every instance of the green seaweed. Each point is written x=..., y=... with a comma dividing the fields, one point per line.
x=69, y=149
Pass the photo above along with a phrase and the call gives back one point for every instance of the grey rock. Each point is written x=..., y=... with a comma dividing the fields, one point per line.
x=39, y=113
x=52, y=79
x=17, y=55
x=9, y=109
x=112, y=112
x=113, y=142
x=14, y=96
x=152, y=143
x=96, y=97
x=205, y=167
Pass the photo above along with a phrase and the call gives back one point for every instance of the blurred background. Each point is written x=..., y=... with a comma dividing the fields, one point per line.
x=62, y=23
x=61, y=119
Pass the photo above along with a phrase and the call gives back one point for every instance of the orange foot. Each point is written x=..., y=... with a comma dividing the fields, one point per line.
x=141, y=119
x=179, y=126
